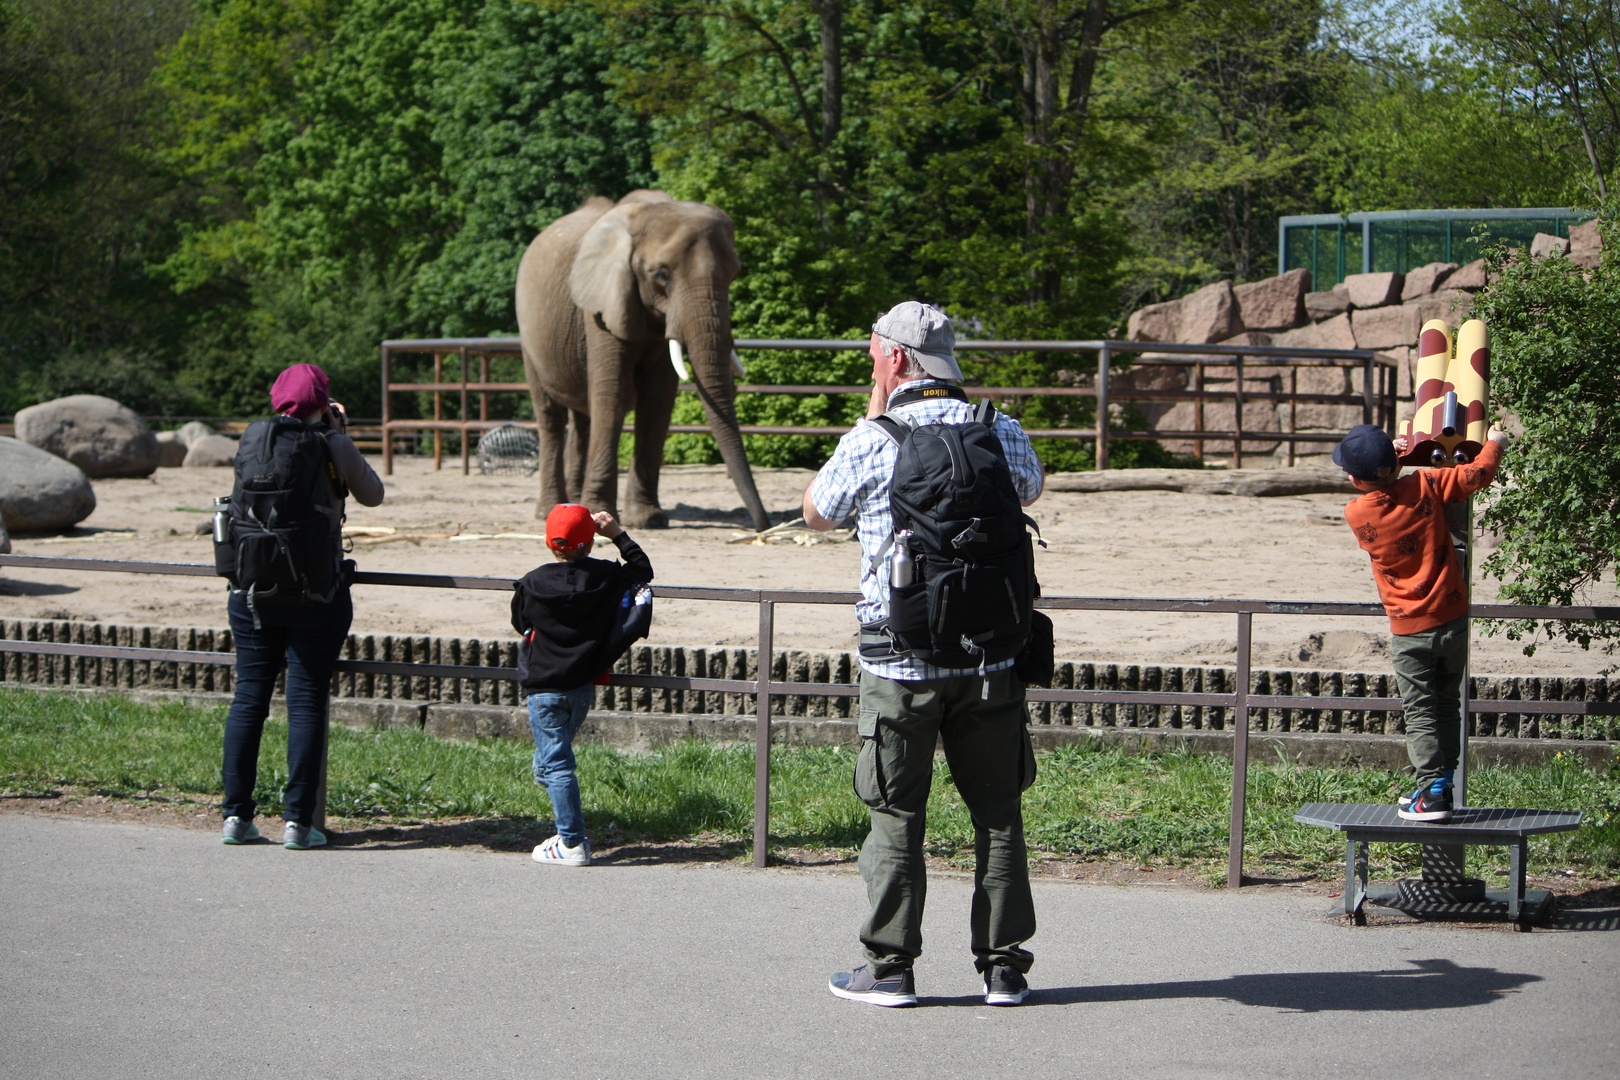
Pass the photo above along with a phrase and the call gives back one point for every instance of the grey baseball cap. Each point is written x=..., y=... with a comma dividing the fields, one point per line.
x=928, y=330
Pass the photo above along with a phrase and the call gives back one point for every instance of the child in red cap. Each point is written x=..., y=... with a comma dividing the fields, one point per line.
x=564, y=611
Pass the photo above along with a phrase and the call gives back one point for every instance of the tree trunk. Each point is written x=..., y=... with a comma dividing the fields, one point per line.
x=1054, y=118
x=832, y=70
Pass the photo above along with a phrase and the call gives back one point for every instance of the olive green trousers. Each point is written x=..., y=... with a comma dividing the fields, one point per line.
x=1429, y=672
x=987, y=747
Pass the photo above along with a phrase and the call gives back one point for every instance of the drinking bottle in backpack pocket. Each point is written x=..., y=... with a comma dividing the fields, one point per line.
x=902, y=567
x=222, y=508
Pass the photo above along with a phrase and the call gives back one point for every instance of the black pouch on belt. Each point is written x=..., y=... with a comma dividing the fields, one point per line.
x=877, y=643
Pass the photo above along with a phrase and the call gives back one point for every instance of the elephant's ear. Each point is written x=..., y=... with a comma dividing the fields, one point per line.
x=602, y=282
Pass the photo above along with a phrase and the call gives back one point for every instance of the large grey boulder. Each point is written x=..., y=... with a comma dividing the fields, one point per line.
x=1374, y=290
x=1259, y=417
x=1543, y=245
x=1470, y=276
x=1325, y=305
x=97, y=434
x=193, y=430
x=171, y=449
x=1334, y=333
x=1156, y=322
x=40, y=492
x=1425, y=279
x=1247, y=338
x=1208, y=315
x=1383, y=327
x=1276, y=303
x=1451, y=305
x=211, y=451
x=1585, y=245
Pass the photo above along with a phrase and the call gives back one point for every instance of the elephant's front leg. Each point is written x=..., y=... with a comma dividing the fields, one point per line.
x=579, y=442
x=655, y=400
x=552, y=421
x=610, y=365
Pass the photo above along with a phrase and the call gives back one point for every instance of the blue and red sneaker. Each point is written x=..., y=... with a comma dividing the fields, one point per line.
x=1432, y=804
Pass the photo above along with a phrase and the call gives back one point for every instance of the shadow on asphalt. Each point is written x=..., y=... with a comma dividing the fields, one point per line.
x=1595, y=909
x=1435, y=984
x=514, y=834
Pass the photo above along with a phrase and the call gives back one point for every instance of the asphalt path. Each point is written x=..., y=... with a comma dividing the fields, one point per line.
x=151, y=951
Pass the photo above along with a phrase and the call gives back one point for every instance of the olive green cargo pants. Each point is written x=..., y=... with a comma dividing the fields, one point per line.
x=988, y=749
x=1429, y=672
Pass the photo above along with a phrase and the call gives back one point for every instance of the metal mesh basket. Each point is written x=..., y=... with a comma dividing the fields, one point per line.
x=509, y=449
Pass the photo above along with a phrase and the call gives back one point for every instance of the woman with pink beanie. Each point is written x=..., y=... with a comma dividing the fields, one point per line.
x=304, y=635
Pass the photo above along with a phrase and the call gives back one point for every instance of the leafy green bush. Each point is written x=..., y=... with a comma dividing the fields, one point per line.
x=1555, y=333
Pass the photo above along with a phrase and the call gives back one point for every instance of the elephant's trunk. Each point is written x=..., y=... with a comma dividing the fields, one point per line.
x=708, y=344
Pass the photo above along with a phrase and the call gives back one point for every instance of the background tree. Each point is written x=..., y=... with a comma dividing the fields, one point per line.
x=83, y=211
x=529, y=131
x=1235, y=97
x=200, y=191
x=1567, y=53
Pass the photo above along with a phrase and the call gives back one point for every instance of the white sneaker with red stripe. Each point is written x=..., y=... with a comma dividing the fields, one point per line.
x=554, y=852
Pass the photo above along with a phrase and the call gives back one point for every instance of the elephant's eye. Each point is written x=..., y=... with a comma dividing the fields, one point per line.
x=660, y=277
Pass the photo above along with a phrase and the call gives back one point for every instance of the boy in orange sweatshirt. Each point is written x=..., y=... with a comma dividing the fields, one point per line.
x=1400, y=522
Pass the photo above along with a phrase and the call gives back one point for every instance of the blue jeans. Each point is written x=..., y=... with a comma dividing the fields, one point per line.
x=307, y=639
x=555, y=719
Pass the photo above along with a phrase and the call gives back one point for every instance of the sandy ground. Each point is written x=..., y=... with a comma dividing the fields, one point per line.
x=1114, y=544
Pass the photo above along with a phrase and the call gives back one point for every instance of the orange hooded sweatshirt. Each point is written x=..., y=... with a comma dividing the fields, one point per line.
x=1403, y=528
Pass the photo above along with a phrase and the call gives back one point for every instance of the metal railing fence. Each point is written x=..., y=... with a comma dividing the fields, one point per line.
x=764, y=686
x=1376, y=399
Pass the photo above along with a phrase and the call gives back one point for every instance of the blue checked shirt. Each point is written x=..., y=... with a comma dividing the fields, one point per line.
x=856, y=480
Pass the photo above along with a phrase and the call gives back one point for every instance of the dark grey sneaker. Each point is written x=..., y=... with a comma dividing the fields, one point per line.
x=1005, y=985
x=237, y=831
x=296, y=837
x=895, y=988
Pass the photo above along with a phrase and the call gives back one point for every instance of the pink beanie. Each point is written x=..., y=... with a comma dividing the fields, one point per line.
x=299, y=390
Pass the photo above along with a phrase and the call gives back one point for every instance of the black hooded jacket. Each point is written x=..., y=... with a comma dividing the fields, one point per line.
x=569, y=607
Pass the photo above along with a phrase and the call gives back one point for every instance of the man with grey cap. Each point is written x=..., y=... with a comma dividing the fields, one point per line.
x=907, y=706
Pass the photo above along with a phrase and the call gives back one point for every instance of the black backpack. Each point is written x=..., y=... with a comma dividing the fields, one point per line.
x=972, y=588
x=275, y=542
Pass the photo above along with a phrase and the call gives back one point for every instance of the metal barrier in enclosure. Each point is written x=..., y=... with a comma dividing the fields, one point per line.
x=1376, y=399
x=763, y=687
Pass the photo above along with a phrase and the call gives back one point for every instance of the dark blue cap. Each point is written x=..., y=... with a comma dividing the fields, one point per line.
x=1365, y=452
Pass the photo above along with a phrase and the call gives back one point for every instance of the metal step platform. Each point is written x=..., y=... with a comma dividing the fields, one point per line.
x=1443, y=892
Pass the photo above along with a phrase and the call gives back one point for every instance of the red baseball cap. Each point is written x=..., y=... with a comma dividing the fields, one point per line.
x=569, y=527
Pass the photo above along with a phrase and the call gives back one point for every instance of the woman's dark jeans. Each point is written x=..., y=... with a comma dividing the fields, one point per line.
x=307, y=639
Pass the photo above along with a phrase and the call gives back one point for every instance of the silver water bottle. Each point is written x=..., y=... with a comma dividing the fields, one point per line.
x=222, y=509
x=902, y=567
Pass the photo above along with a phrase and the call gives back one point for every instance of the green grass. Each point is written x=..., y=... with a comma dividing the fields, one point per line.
x=1089, y=803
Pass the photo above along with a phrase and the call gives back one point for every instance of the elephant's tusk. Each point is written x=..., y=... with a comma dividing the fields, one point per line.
x=736, y=364
x=678, y=359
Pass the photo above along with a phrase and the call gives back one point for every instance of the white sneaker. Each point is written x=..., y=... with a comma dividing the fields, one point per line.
x=554, y=852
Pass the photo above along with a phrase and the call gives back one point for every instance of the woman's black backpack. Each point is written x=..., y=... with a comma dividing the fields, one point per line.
x=276, y=541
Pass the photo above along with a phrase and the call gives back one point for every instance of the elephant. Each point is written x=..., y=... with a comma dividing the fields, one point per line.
x=610, y=300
